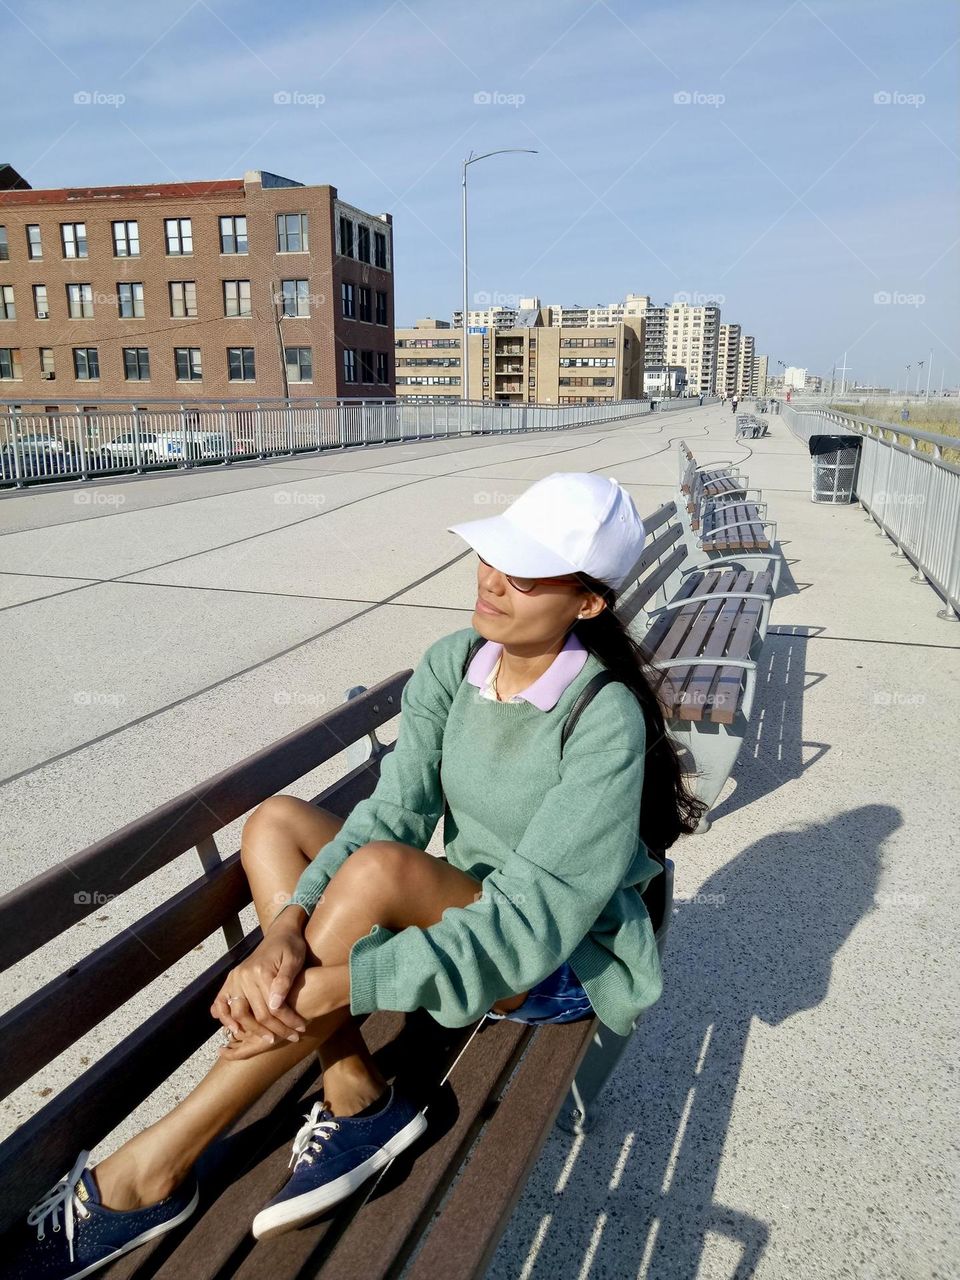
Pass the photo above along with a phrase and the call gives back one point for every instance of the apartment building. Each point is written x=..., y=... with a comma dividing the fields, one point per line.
x=499, y=317
x=530, y=364
x=564, y=317
x=247, y=288
x=690, y=337
x=728, y=357
x=745, y=362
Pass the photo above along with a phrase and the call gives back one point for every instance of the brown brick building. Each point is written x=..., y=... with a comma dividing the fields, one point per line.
x=188, y=291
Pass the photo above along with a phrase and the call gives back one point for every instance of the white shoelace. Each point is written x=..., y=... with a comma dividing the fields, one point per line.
x=310, y=1135
x=60, y=1197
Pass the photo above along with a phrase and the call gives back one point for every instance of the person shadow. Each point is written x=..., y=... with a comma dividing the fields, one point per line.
x=757, y=941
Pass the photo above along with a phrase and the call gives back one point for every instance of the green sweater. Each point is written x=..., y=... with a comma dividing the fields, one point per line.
x=555, y=844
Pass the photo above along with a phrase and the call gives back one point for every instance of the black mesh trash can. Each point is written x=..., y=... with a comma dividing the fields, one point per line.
x=834, y=462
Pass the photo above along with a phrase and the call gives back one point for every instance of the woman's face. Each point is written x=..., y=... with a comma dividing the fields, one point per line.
x=538, y=616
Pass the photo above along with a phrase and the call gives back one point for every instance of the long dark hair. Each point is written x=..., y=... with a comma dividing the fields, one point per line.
x=668, y=808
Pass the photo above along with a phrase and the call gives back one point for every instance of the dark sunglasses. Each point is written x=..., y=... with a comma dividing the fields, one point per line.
x=525, y=584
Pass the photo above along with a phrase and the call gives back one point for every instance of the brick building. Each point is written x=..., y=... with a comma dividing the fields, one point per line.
x=189, y=291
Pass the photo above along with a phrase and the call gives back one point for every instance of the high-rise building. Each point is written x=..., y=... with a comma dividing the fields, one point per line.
x=728, y=357
x=759, y=386
x=690, y=339
x=745, y=362
x=249, y=288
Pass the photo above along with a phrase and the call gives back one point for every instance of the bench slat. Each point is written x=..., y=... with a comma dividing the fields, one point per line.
x=699, y=704
x=464, y=1241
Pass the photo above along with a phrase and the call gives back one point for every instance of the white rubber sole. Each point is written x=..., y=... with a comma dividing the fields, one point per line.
x=276, y=1219
x=158, y=1230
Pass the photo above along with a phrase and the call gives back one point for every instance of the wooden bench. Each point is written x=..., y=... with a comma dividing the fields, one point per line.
x=720, y=512
x=492, y=1090
x=702, y=622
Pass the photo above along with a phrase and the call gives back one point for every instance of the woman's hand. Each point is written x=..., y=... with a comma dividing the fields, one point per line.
x=254, y=996
x=315, y=991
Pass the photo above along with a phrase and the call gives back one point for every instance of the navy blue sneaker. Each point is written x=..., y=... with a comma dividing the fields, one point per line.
x=69, y=1233
x=333, y=1155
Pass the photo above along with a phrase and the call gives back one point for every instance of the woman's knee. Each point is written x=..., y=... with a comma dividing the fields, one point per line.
x=291, y=817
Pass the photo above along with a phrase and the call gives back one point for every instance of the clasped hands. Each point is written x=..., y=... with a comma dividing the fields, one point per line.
x=269, y=999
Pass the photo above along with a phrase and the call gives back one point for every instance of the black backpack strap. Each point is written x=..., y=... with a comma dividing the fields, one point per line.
x=586, y=694
x=474, y=646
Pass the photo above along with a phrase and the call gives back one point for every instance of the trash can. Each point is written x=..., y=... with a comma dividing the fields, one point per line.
x=834, y=461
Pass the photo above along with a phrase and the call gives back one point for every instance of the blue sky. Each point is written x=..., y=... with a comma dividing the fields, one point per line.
x=822, y=219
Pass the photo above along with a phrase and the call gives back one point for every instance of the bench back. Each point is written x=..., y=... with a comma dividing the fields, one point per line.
x=45, y=1024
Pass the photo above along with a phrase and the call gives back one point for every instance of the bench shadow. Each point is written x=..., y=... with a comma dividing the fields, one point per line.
x=774, y=750
x=757, y=942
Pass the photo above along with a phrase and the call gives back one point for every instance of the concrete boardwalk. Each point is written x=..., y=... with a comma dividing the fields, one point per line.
x=786, y=1108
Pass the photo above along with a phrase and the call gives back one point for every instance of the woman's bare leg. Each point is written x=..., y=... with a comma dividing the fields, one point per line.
x=391, y=884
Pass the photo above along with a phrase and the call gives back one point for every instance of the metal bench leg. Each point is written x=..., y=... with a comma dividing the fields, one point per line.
x=714, y=748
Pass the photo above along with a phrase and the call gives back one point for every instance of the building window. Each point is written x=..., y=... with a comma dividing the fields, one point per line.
x=379, y=249
x=346, y=237
x=299, y=364
x=347, y=300
x=40, y=308
x=183, y=298
x=34, y=242
x=4, y=249
x=74, y=238
x=233, y=235
x=363, y=242
x=381, y=307
x=292, y=233
x=366, y=310
x=130, y=301
x=10, y=366
x=126, y=240
x=366, y=366
x=349, y=365
x=80, y=301
x=188, y=364
x=136, y=364
x=383, y=367
x=46, y=361
x=86, y=364
x=179, y=235
x=295, y=297
x=8, y=310
x=240, y=364
x=236, y=298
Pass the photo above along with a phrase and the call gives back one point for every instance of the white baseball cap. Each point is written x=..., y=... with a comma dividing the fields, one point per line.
x=569, y=522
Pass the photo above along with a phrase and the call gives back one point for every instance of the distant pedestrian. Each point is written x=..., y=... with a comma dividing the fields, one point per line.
x=701, y=399
x=733, y=404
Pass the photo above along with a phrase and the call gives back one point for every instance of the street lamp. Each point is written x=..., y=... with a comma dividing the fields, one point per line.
x=472, y=159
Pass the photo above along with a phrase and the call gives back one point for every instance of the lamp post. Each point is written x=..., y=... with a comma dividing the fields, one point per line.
x=472, y=159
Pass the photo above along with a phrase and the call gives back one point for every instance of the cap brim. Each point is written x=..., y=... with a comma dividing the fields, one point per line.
x=511, y=550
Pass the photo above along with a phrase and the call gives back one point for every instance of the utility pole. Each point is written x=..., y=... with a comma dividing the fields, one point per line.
x=919, y=367
x=929, y=367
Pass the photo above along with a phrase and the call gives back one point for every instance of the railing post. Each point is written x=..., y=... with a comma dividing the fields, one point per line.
x=258, y=430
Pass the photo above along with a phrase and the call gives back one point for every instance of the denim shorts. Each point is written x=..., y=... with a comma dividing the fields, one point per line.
x=558, y=998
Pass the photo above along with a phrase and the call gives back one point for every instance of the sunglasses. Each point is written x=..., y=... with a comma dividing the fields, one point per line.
x=525, y=584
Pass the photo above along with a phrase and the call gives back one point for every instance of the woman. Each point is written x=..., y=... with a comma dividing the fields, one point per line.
x=534, y=914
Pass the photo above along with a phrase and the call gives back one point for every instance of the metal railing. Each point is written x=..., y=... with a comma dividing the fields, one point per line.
x=913, y=496
x=117, y=437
